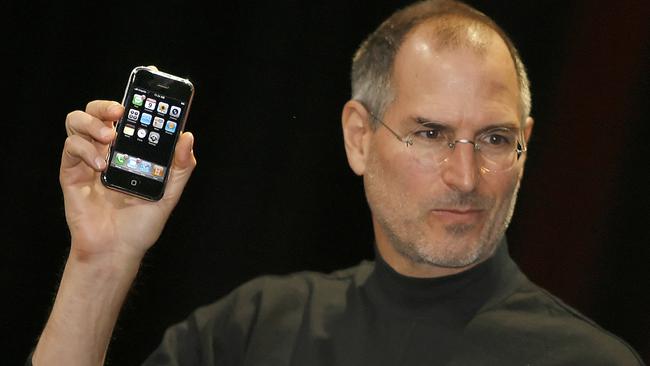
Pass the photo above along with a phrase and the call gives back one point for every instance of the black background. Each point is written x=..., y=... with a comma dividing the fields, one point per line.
x=272, y=192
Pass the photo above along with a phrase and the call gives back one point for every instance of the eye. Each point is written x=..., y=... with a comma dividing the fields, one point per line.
x=429, y=134
x=498, y=138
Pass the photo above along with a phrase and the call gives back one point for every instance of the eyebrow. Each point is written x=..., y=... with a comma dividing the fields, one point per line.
x=511, y=126
x=514, y=126
x=430, y=123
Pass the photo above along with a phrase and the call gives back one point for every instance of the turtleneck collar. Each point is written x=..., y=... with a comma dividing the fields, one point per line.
x=460, y=295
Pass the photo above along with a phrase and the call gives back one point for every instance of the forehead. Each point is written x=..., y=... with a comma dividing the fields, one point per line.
x=465, y=71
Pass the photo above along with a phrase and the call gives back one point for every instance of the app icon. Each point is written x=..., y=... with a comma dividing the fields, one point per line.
x=171, y=126
x=175, y=112
x=154, y=137
x=129, y=130
x=158, y=122
x=158, y=171
x=134, y=114
x=145, y=119
x=120, y=159
x=150, y=104
x=145, y=167
x=132, y=162
x=162, y=108
x=142, y=132
x=138, y=100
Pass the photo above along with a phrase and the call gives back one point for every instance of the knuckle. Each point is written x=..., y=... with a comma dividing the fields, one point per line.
x=68, y=145
x=71, y=140
x=72, y=116
x=90, y=105
x=73, y=143
x=97, y=107
x=73, y=120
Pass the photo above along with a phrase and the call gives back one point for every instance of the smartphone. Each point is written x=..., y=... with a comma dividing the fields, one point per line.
x=140, y=157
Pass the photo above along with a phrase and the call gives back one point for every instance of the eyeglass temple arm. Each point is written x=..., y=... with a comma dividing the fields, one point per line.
x=400, y=138
x=521, y=148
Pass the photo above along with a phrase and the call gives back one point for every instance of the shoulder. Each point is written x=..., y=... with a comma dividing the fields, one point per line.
x=533, y=319
x=276, y=295
x=264, y=313
x=305, y=282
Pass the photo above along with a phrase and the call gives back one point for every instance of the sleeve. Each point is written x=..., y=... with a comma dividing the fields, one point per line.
x=213, y=335
x=209, y=336
x=255, y=322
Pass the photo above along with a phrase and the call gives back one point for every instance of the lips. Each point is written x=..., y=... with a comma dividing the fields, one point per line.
x=457, y=215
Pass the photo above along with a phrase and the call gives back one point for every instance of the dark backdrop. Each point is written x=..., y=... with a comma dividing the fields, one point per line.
x=273, y=193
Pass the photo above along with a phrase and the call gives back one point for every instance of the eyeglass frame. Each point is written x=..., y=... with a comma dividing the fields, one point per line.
x=520, y=148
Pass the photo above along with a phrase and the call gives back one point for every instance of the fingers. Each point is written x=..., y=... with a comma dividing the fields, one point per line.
x=86, y=128
x=78, y=149
x=89, y=127
x=96, y=122
x=105, y=110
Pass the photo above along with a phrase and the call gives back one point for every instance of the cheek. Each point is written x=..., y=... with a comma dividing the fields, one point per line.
x=418, y=175
x=410, y=176
x=503, y=188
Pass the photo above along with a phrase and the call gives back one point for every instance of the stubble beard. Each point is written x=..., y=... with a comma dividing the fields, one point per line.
x=407, y=233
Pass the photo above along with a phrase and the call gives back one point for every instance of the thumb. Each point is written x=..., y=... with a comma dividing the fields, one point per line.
x=184, y=154
x=182, y=167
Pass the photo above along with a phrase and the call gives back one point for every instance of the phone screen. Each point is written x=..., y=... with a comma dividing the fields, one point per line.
x=156, y=106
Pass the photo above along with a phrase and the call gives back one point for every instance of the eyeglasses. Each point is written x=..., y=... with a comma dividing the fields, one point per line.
x=432, y=144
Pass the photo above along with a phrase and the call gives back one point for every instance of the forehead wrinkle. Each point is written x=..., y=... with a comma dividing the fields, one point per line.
x=413, y=79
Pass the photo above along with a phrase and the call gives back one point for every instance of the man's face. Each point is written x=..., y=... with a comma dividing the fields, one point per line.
x=449, y=216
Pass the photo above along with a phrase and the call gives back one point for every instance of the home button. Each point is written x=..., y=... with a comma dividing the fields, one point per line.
x=134, y=182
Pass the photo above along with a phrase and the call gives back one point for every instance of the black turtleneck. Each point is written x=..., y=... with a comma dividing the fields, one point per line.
x=371, y=315
x=459, y=295
x=392, y=319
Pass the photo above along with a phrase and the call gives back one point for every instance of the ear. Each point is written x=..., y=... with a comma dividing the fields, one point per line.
x=528, y=129
x=356, y=135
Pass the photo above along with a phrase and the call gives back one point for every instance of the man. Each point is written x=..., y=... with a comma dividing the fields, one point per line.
x=437, y=127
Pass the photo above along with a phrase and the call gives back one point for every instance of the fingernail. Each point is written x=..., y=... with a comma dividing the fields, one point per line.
x=99, y=162
x=115, y=108
x=106, y=132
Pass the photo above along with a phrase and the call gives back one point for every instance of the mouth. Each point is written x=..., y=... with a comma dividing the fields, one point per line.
x=457, y=215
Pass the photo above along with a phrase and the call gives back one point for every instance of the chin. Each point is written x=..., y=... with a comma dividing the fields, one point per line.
x=457, y=257
x=457, y=246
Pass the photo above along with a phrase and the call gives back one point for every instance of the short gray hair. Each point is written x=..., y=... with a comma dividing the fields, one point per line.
x=372, y=65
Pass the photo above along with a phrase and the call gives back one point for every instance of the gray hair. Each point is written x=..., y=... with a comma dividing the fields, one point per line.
x=372, y=65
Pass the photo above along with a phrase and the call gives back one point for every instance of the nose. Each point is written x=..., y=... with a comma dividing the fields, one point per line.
x=460, y=170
